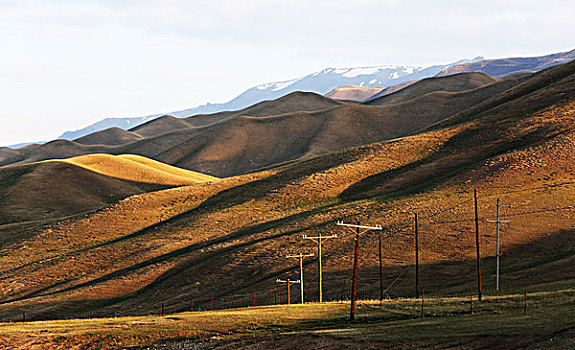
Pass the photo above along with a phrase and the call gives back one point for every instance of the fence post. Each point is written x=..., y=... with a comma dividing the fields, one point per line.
x=422, y=300
x=525, y=302
x=471, y=300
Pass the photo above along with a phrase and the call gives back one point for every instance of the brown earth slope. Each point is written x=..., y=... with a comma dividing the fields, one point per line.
x=229, y=238
x=110, y=137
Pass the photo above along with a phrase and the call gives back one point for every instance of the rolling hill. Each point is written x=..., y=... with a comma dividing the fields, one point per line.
x=60, y=188
x=110, y=137
x=453, y=83
x=230, y=237
x=296, y=126
x=353, y=93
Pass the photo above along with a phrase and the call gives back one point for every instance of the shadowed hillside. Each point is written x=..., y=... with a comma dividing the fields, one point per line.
x=454, y=83
x=229, y=238
x=110, y=137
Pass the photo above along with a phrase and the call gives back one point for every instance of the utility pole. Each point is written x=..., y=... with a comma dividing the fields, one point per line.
x=288, y=282
x=416, y=259
x=477, y=247
x=497, y=250
x=319, y=240
x=380, y=273
x=300, y=256
x=358, y=231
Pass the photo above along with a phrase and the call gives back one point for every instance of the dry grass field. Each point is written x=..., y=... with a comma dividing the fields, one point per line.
x=498, y=322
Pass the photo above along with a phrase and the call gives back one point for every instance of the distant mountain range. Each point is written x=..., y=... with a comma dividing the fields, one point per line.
x=320, y=82
x=388, y=78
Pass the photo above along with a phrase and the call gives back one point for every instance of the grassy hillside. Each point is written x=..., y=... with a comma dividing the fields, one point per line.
x=54, y=189
x=138, y=169
x=230, y=237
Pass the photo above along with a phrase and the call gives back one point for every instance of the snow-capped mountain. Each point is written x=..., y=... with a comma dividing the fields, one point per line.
x=319, y=82
x=323, y=82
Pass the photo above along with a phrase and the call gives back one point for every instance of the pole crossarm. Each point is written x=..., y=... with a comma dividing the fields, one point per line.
x=365, y=228
x=300, y=255
x=288, y=281
x=318, y=238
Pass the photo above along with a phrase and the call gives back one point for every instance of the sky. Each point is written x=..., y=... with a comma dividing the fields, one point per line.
x=67, y=64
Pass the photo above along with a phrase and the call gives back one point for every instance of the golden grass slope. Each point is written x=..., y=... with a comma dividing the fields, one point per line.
x=138, y=169
x=229, y=238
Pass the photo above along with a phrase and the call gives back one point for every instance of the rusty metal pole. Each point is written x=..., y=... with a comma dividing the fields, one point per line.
x=477, y=246
x=289, y=294
x=416, y=259
x=212, y=307
x=354, y=284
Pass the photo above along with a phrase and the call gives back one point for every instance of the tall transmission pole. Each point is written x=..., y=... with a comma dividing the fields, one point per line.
x=319, y=240
x=497, y=249
x=288, y=282
x=380, y=273
x=358, y=231
x=300, y=256
x=416, y=258
x=477, y=246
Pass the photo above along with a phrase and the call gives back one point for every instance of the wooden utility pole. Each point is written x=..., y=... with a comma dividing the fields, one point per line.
x=300, y=256
x=358, y=232
x=380, y=273
x=319, y=240
x=477, y=247
x=288, y=282
x=416, y=259
x=497, y=249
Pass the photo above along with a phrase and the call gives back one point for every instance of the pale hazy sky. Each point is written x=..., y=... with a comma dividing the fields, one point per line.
x=67, y=64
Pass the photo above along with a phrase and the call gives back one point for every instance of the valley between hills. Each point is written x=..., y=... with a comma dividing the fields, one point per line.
x=177, y=211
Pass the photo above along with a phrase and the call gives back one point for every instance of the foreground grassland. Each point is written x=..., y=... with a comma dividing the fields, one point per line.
x=497, y=322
